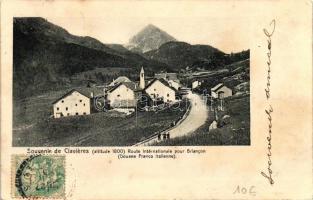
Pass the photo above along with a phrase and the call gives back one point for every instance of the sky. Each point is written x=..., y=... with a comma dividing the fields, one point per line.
x=196, y=24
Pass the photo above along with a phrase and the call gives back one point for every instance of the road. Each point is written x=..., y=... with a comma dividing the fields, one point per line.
x=197, y=117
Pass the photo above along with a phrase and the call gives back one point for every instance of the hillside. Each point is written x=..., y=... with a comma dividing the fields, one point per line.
x=45, y=56
x=33, y=125
x=179, y=55
x=149, y=38
x=236, y=76
x=118, y=47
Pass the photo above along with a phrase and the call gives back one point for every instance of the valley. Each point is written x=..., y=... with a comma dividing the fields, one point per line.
x=49, y=62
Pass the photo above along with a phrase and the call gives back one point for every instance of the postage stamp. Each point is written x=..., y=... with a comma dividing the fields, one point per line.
x=38, y=176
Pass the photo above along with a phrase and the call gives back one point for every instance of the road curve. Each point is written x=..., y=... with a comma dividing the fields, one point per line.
x=197, y=117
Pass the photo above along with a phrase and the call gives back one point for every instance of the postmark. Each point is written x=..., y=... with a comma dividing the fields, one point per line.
x=38, y=176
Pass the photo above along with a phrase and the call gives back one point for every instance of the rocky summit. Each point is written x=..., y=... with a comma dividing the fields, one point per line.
x=149, y=38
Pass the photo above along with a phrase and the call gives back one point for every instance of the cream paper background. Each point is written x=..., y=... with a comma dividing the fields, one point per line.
x=217, y=173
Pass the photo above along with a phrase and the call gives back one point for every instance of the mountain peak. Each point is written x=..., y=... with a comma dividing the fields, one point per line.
x=150, y=26
x=149, y=38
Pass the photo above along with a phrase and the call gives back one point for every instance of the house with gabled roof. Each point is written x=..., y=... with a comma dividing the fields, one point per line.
x=72, y=103
x=174, y=84
x=160, y=89
x=221, y=91
x=78, y=101
x=167, y=76
x=120, y=79
x=195, y=84
x=122, y=95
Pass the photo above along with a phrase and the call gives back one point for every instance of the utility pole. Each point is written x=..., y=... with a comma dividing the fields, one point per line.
x=136, y=112
x=212, y=103
x=222, y=103
x=215, y=113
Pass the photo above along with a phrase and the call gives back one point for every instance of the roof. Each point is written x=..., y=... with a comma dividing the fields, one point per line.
x=130, y=85
x=67, y=94
x=163, y=81
x=176, y=81
x=88, y=90
x=120, y=79
x=217, y=87
x=169, y=76
x=85, y=91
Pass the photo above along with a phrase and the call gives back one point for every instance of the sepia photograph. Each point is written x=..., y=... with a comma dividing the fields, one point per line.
x=156, y=99
x=150, y=85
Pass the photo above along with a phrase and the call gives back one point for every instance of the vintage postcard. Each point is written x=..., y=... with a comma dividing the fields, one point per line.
x=70, y=90
x=156, y=99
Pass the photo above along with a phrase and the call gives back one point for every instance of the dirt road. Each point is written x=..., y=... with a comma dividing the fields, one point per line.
x=197, y=116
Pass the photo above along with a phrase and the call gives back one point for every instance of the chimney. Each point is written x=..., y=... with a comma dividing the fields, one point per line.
x=91, y=94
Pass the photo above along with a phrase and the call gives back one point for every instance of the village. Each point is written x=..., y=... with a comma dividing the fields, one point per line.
x=121, y=94
x=146, y=95
x=124, y=95
x=152, y=90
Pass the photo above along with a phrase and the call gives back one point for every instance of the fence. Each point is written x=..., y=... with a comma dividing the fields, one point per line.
x=155, y=135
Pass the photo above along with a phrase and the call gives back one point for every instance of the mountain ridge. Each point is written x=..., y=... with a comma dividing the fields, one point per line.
x=45, y=56
x=180, y=55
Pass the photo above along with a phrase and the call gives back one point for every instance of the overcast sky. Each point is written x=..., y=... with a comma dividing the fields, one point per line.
x=116, y=23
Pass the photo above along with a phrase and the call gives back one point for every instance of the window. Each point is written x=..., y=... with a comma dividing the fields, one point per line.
x=221, y=95
x=76, y=113
x=84, y=104
x=154, y=89
x=62, y=101
x=80, y=100
x=84, y=113
x=168, y=95
x=75, y=104
x=68, y=114
x=57, y=108
x=66, y=108
x=118, y=95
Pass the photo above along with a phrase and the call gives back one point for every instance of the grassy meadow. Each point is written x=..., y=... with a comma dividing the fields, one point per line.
x=236, y=131
x=33, y=125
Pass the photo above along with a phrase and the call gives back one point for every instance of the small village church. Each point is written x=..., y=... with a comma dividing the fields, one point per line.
x=142, y=79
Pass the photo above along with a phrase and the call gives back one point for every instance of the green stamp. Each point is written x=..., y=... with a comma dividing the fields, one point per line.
x=39, y=176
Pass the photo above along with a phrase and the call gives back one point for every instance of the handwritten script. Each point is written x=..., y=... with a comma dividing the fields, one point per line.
x=269, y=110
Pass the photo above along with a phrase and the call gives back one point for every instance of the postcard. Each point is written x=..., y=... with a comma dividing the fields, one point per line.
x=156, y=99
